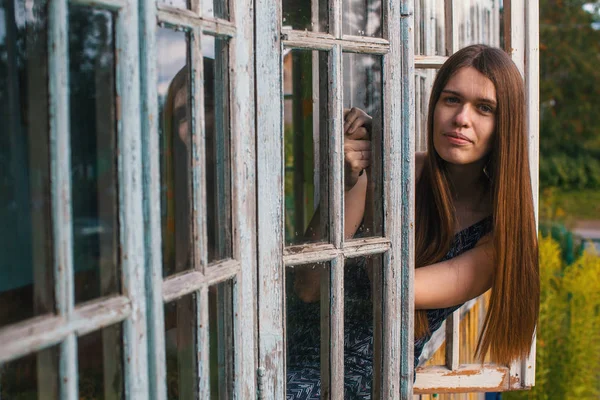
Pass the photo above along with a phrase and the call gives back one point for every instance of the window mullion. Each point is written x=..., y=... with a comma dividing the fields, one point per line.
x=269, y=155
x=399, y=146
x=131, y=218
x=152, y=210
x=451, y=26
x=60, y=156
x=198, y=184
x=243, y=160
x=532, y=84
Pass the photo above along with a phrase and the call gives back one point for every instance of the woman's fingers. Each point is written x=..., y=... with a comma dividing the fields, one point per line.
x=357, y=157
x=357, y=123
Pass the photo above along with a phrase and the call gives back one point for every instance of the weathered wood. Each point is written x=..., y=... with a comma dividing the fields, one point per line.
x=336, y=347
x=451, y=27
x=336, y=210
x=402, y=230
x=467, y=378
x=514, y=31
x=42, y=332
x=533, y=127
x=452, y=340
x=244, y=195
x=60, y=167
x=325, y=41
x=269, y=134
x=203, y=343
x=433, y=62
x=188, y=19
x=152, y=198
x=439, y=337
x=306, y=254
x=179, y=285
x=131, y=219
x=325, y=308
x=197, y=128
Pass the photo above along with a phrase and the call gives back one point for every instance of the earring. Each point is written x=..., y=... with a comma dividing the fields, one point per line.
x=485, y=171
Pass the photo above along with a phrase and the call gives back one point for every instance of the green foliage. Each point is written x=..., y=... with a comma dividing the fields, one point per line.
x=567, y=206
x=569, y=94
x=568, y=338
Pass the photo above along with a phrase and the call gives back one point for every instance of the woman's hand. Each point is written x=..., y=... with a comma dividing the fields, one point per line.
x=357, y=144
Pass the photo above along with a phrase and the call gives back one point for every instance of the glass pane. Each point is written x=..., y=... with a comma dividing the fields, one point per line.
x=34, y=376
x=303, y=15
x=100, y=363
x=218, y=159
x=362, y=17
x=363, y=283
x=306, y=99
x=184, y=4
x=363, y=90
x=307, y=327
x=215, y=8
x=180, y=337
x=93, y=152
x=175, y=130
x=475, y=22
x=26, y=281
x=423, y=83
x=478, y=22
x=430, y=34
x=222, y=347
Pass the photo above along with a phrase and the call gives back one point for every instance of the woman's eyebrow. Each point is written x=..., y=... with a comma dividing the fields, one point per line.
x=480, y=99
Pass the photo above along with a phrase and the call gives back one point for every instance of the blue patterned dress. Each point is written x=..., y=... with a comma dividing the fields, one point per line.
x=303, y=327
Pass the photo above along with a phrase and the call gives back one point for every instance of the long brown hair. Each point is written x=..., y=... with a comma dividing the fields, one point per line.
x=514, y=303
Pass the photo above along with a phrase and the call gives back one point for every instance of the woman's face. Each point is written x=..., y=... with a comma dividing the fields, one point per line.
x=464, y=118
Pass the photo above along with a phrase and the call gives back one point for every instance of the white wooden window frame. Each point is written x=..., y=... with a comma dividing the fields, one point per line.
x=238, y=31
x=140, y=307
x=72, y=321
x=521, y=33
x=522, y=43
x=398, y=123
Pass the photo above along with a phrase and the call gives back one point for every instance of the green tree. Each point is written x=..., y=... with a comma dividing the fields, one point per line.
x=569, y=92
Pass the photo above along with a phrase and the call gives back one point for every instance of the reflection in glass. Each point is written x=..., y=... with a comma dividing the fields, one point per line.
x=306, y=15
x=34, y=376
x=362, y=17
x=474, y=22
x=423, y=82
x=362, y=322
x=215, y=8
x=100, y=363
x=217, y=147
x=26, y=281
x=93, y=152
x=180, y=337
x=305, y=78
x=175, y=143
x=222, y=347
x=363, y=89
x=307, y=324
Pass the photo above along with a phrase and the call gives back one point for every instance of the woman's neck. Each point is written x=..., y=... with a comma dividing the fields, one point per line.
x=468, y=183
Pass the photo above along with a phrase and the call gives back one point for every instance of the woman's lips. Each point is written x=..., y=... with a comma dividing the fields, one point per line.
x=457, y=138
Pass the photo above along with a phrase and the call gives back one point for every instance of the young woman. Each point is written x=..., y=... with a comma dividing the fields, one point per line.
x=475, y=226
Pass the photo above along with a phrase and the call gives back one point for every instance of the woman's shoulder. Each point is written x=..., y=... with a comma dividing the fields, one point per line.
x=420, y=157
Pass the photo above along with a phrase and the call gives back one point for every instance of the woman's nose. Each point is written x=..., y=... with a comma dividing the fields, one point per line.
x=463, y=116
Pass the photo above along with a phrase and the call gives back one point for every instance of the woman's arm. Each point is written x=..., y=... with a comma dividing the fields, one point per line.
x=452, y=282
x=357, y=158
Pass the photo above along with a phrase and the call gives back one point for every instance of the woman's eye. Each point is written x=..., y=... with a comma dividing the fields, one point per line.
x=486, y=108
x=452, y=100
